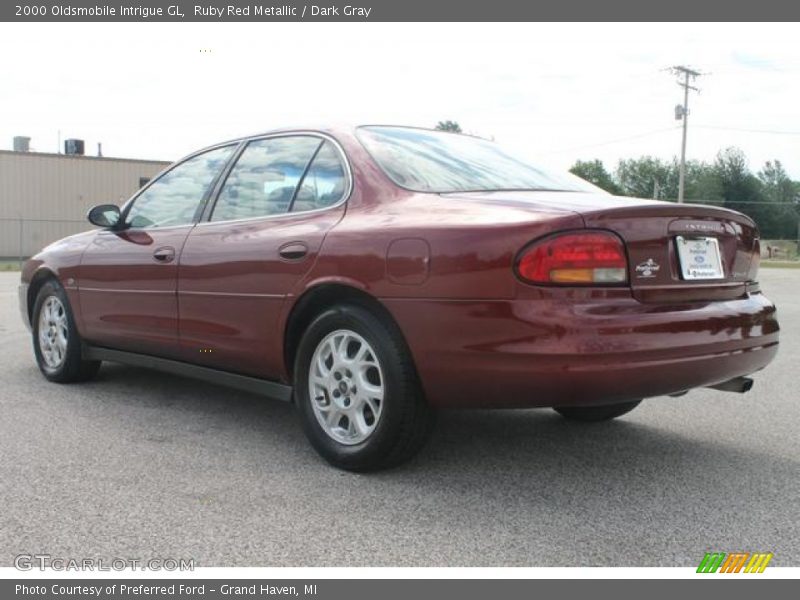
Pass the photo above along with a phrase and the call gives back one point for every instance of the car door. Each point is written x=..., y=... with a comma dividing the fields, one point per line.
x=128, y=276
x=259, y=239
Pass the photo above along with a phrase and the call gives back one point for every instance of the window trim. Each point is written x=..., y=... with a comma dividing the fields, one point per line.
x=302, y=179
x=235, y=144
x=205, y=219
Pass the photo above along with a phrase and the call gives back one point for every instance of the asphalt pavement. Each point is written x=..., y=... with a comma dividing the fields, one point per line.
x=139, y=464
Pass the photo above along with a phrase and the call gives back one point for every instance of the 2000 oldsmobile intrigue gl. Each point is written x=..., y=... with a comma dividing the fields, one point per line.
x=375, y=274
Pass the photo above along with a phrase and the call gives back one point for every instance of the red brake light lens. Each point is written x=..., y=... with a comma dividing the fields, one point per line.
x=585, y=258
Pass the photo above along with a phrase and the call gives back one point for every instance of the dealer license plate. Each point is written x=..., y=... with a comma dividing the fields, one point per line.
x=699, y=258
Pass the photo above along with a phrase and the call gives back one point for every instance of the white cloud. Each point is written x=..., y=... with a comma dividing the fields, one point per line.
x=557, y=91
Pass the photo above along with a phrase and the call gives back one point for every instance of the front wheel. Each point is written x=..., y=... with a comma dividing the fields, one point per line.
x=357, y=391
x=593, y=414
x=56, y=342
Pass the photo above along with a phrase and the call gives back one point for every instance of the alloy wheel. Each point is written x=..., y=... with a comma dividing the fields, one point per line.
x=53, y=332
x=346, y=386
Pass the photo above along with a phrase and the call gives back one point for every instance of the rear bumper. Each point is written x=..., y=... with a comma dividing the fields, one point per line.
x=526, y=353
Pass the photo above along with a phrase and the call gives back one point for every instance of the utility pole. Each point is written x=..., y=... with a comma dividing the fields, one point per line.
x=682, y=112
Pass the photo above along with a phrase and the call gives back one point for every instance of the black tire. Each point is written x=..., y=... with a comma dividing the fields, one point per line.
x=406, y=419
x=593, y=414
x=72, y=367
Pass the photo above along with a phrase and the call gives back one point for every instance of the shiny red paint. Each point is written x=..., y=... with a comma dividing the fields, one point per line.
x=443, y=266
x=128, y=299
x=233, y=285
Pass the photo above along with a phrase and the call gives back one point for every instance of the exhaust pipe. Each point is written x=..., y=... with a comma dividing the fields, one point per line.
x=740, y=385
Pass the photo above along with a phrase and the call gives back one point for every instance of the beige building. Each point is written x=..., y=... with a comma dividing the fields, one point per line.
x=44, y=197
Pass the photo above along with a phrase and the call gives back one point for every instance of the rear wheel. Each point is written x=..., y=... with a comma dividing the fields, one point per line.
x=357, y=391
x=592, y=414
x=56, y=342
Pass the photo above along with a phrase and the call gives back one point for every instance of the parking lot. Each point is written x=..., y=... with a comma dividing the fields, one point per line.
x=144, y=465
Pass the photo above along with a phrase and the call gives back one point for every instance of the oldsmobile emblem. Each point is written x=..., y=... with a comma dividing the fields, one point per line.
x=647, y=269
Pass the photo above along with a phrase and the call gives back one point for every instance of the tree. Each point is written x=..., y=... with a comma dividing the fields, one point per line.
x=778, y=187
x=451, y=126
x=702, y=183
x=783, y=196
x=740, y=188
x=648, y=176
x=644, y=177
x=743, y=191
x=769, y=197
x=731, y=167
x=595, y=172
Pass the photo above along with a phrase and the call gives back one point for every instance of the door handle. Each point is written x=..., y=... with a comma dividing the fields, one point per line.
x=293, y=251
x=164, y=254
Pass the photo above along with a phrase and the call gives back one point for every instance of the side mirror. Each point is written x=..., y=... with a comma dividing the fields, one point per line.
x=104, y=215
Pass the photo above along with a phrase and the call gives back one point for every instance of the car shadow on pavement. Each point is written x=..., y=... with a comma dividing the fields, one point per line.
x=497, y=486
x=472, y=446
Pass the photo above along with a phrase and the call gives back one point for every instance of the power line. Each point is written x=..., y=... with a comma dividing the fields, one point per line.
x=615, y=141
x=763, y=67
x=747, y=130
x=666, y=129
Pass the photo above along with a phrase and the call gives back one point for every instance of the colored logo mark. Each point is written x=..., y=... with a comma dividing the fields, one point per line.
x=735, y=562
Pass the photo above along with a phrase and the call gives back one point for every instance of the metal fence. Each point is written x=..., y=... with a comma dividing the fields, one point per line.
x=780, y=249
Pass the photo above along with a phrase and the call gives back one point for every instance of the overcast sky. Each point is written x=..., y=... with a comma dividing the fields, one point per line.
x=558, y=92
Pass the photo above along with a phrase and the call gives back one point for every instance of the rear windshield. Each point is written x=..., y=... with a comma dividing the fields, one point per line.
x=433, y=161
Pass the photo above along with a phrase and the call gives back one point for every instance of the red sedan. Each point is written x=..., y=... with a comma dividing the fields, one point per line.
x=372, y=275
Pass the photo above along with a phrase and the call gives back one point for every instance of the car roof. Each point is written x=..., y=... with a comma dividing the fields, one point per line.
x=334, y=130
x=331, y=129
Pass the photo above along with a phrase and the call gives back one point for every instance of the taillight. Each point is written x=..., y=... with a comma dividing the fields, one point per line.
x=575, y=258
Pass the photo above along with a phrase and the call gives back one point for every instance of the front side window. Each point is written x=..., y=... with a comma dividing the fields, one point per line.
x=434, y=161
x=173, y=199
x=325, y=182
x=265, y=177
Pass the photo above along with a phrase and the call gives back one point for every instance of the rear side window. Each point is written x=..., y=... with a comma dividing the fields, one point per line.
x=434, y=161
x=265, y=177
x=325, y=182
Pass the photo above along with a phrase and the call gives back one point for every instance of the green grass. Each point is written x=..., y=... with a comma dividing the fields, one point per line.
x=780, y=264
x=9, y=265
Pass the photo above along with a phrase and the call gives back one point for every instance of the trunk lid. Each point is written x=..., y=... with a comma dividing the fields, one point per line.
x=651, y=230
